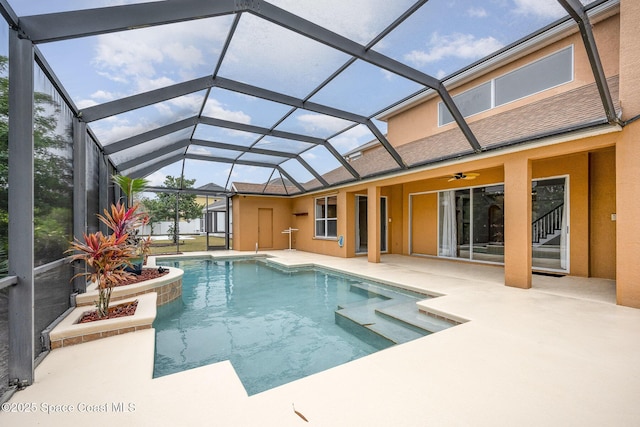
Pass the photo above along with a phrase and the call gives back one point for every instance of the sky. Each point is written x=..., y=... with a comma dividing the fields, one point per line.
x=442, y=37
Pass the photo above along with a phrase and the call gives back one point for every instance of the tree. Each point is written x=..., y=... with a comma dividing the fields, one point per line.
x=163, y=207
x=53, y=173
x=131, y=187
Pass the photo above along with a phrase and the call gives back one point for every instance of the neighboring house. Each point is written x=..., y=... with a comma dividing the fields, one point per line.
x=215, y=217
x=209, y=188
x=554, y=188
x=208, y=200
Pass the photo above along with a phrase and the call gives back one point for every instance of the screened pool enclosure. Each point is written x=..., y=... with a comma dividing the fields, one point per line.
x=257, y=97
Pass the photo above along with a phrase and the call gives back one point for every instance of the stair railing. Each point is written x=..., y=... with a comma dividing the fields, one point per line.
x=547, y=224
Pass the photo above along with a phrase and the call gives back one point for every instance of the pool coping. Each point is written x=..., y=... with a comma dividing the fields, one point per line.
x=523, y=351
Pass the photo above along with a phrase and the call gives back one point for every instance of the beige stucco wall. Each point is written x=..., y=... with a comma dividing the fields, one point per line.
x=396, y=226
x=245, y=221
x=424, y=224
x=304, y=237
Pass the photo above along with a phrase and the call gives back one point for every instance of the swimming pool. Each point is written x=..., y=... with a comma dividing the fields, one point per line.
x=275, y=326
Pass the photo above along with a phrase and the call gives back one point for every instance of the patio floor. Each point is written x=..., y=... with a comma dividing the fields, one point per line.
x=559, y=354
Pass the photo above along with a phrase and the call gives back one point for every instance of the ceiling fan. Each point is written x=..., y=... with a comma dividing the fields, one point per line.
x=460, y=175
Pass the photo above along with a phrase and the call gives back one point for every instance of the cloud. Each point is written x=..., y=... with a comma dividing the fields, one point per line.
x=197, y=149
x=266, y=55
x=359, y=20
x=308, y=155
x=86, y=103
x=117, y=52
x=156, y=179
x=113, y=77
x=183, y=106
x=388, y=75
x=155, y=56
x=312, y=123
x=102, y=95
x=216, y=109
x=456, y=45
x=541, y=8
x=119, y=129
x=145, y=85
x=477, y=12
x=352, y=138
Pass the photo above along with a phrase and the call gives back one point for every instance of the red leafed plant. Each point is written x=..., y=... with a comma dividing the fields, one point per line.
x=107, y=257
x=127, y=221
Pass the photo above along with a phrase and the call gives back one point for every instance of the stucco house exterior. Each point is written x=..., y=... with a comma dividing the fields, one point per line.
x=552, y=189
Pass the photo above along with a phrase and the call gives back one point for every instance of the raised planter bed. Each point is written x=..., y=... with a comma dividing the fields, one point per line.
x=168, y=288
x=69, y=332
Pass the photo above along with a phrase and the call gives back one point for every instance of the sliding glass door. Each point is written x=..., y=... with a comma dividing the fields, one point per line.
x=471, y=223
x=549, y=226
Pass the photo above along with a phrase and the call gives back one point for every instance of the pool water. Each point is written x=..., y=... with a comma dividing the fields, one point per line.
x=274, y=326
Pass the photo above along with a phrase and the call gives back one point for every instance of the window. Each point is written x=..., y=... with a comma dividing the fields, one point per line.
x=327, y=217
x=470, y=102
x=540, y=75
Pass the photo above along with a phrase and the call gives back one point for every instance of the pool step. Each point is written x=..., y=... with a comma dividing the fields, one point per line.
x=368, y=319
x=375, y=329
x=370, y=290
x=386, y=316
x=373, y=302
x=408, y=313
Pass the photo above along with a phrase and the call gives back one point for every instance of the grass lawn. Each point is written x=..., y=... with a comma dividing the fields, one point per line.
x=196, y=243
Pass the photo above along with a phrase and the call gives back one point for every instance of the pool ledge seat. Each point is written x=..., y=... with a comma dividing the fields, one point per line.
x=68, y=332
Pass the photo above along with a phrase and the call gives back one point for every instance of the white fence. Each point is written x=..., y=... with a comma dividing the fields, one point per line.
x=195, y=226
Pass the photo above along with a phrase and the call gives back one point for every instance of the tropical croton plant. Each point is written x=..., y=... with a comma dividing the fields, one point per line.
x=107, y=257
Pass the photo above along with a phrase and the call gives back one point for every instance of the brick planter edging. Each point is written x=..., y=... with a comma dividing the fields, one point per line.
x=69, y=332
x=168, y=288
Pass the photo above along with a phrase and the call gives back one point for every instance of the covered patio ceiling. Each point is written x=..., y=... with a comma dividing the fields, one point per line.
x=271, y=93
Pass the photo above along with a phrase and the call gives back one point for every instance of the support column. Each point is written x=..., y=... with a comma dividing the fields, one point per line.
x=517, y=223
x=373, y=223
x=79, y=191
x=627, y=224
x=103, y=195
x=227, y=240
x=627, y=155
x=21, y=296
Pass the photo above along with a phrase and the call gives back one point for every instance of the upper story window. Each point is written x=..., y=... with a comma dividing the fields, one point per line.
x=543, y=74
x=327, y=216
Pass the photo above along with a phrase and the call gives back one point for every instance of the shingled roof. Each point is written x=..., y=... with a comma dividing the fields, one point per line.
x=558, y=114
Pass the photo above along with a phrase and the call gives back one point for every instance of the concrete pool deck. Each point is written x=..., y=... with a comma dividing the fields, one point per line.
x=559, y=354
